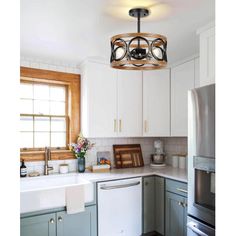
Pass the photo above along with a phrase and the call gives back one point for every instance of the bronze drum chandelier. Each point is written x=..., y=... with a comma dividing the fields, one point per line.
x=138, y=51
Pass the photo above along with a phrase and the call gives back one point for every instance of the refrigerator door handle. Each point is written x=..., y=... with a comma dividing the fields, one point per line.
x=193, y=227
x=120, y=186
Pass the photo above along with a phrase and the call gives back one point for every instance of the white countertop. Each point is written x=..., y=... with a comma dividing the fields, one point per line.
x=167, y=172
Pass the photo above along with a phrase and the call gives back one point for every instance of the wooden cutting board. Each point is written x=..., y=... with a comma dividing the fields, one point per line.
x=128, y=155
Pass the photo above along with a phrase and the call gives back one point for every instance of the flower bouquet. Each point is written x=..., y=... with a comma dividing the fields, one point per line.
x=79, y=149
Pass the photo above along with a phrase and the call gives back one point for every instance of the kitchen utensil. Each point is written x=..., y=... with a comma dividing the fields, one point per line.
x=128, y=155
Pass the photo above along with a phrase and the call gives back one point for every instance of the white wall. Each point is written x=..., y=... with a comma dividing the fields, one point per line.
x=49, y=65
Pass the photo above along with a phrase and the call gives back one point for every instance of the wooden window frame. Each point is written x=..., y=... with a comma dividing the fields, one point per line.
x=72, y=81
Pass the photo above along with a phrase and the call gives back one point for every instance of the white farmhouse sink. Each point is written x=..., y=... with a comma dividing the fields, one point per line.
x=45, y=192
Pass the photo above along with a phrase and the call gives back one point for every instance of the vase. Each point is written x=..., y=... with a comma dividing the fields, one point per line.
x=81, y=163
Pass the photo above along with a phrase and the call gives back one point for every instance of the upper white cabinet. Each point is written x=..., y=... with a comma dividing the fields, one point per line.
x=129, y=91
x=99, y=100
x=182, y=80
x=207, y=55
x=156, y=103
x=111, y=101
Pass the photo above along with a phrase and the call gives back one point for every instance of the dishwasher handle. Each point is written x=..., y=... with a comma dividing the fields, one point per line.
x=119, y=186
x=193, y=227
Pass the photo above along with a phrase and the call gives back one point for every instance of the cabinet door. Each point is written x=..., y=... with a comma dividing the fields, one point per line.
x=176, y=215
x=42, y=225
x=80, y=224
x=156, y=103
x=99, y=101
x=148, y=204
x=160, y=204
x=130, y=103
x=207, y=57
x=182, y=80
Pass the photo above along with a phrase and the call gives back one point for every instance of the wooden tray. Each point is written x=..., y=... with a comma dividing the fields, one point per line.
x=128, y=155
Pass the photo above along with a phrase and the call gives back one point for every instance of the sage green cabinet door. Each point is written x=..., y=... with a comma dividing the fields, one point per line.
x=176, y=215
x=148, y=204
x=80, y=224
x=160, y=205
x=42, y=225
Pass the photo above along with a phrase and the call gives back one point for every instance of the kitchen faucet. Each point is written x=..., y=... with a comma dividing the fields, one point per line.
x=47, y=156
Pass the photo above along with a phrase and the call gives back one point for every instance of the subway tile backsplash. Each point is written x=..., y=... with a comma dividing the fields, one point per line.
x=172, y=146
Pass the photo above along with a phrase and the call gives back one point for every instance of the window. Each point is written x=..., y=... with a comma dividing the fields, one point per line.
x=49, y=113
x=43, y=115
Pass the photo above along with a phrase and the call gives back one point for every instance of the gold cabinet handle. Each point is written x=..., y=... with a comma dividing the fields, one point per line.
x=120, y=127
x=51, y=221
x=182, y=190
x=145, y=126
x=115, y=126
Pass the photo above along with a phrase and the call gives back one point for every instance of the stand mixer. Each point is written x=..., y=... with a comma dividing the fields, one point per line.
x=158, y=158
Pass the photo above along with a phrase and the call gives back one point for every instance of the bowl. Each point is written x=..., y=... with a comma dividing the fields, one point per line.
x=158, y=158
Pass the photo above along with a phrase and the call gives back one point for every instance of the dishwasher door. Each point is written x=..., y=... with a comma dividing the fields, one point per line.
x=120, y=207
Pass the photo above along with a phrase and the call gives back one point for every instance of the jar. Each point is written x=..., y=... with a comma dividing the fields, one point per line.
x=63, y=168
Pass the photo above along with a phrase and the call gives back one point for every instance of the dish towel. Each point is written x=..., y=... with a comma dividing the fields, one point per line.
x=75, y=199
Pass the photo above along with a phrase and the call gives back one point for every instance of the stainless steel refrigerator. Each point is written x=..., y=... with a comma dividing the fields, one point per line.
x=201, y=161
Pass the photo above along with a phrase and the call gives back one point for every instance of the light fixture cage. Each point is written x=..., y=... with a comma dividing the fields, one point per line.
x=138, y=51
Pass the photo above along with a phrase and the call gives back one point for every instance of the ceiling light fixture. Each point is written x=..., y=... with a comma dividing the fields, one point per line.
x=138, y=51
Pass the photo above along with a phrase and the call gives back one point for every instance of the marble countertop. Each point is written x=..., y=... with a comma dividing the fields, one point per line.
x=167, y=172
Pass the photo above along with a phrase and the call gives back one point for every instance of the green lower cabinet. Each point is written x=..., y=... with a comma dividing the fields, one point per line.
x=148, y=204
x=176, y=215
x=153, y=205
x=42, y=225
x=160, y=205
x=61, y=224
x=81, y=224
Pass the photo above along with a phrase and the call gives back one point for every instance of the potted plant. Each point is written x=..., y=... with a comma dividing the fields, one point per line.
x=79, y=149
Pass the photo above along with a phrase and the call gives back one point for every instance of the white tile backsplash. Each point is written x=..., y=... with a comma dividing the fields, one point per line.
x=172, y=146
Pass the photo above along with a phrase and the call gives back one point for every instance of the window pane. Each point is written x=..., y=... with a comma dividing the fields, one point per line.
x=58, y=139
x=41, y=107
x=26, y=139
x=58, y=124
x=26, y=123
x=26, y=90
x=57, y=108
x=41, y=139
x=42, y=124
x=57, y=93
x=41, y=91
x=26, y=106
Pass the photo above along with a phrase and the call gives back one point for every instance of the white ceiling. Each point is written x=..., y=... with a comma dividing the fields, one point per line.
x=72, y=30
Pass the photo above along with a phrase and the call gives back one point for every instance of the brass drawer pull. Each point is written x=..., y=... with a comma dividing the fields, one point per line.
x=115, y=127
x=182, y=190
x=120, y=128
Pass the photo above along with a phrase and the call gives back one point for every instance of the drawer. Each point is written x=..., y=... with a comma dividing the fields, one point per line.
x=177, y=187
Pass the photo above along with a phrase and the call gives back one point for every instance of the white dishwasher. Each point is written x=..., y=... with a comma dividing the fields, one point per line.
x=120, y=207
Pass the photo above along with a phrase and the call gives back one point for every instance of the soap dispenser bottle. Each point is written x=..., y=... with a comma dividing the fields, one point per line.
x=23, y=169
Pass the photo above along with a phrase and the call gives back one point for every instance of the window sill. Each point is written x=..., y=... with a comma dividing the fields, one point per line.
x=39, y=155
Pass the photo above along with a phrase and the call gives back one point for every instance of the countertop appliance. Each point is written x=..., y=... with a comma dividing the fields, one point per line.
x=201, y=161
x=120, y=207
x=158, y=158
